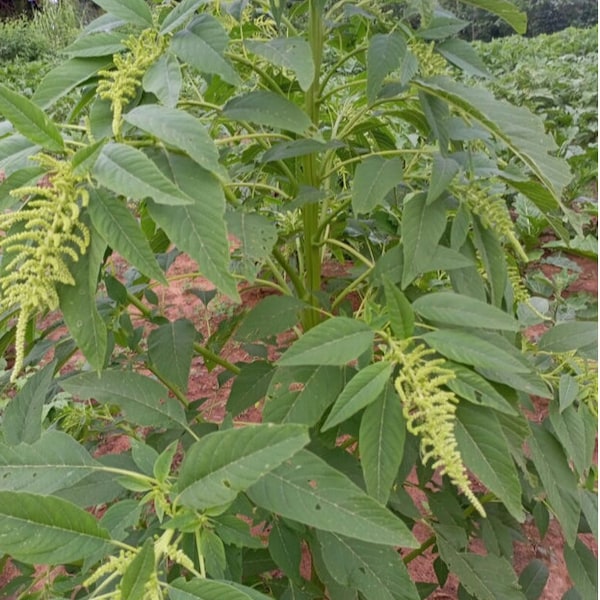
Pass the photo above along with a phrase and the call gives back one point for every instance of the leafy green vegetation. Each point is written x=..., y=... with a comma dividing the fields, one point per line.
x=303, y=136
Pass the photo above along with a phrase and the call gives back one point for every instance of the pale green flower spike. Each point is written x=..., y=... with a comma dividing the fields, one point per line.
x=429, y=411
x=431, y=63
x=40, y=240
x=120, y=85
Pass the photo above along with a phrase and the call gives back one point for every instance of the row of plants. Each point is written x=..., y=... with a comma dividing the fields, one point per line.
x=311, y=132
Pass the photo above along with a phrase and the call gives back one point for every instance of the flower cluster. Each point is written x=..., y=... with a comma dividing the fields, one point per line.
x=430, y=62
x=120, y=85
x=430, y=410
x=40, y=240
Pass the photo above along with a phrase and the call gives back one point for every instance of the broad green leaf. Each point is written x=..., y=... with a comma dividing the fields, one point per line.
x=504, y=9
x=464, y=56
x=559, y=482
x=121, y=516
x=163, y=79
x=285, y=549
x=65, y=77
x=15, y=151
x=210, y=589
x=568, y=336
x=308, y=490
x=467, y=348
x=589, y=508
x=384, y=55
x=376, y=571
x=533, y=579
x=270, y=109
x=99, y=44
x=30, y=120
x=129, y=172
x=199, y=229
x=213, y=550
x=170, y=350
x=224, y=463
x=272, y=315
x=46, y=530
x=569, y=428
x=180, y=129
x=583, y=569
x=422, y=227
x=121, y=231
x=363, y=389
x=202, y=44
x=249, y=387
x=486, y=453
x=292, y=53
x=464, y=311
x=105, y=22
x=78, y=304
x=381, y=443
x=179, y=15
x=400, y=311
x=336, y=342
x=83, y=160
x=136, y=12
x=257, y=235
x=443, y=172
x=295, y=148
x=484, y=577
x=22, y=177
x=22, y=418
x=302, y=394
x=519, y=129
x=139, y=573
x=235, y=532
x=53, y=462
x=441, y=27
x=374, y=178
x=144, y=401
x=568, y=390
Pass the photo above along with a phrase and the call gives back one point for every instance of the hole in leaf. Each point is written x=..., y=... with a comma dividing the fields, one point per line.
x=317, y=507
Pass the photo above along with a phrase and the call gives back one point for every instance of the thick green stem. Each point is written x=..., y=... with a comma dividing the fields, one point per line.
x=208, y=354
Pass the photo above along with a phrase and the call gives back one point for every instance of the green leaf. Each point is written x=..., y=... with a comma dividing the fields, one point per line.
x=22, y=177
x=285, y=549
x=249, y=387
x=179, y=129
x=374, y=178
x=30, y=120
x=46, y=530
x=83, y=160
x=376, y=571
x=65, y=77
x=99, y=44
x=170, y=350
x=213, y=550
x=53, y=462
x=363, y=389
x=519, y=129
x=441, y=27
x=163, y=79
x=381, y=443
x=336, y=342
x=485, y=577
x=469, y=349
x=568, y=390
x=78, y=304
x=402, y=316
x=443, y=172
x=572, y=335
x=139, y=573
x=209, y=589
x=136, y=12
x=302, y=394
x=464, y=56
x=224, y=463
x=179, y=14
x=22, y=418
x=559, y=482
x=308, y=490
x=144, y=401
x=533, y=579
x=294, y=148
x=129, y=172
x=292, y=53
x=202, y=44
x=270, y=109
x=121, y=231
x=569, y=428
x=455, y=309
x=199, y=229
x=272, y=315
x=486, y=453
x=504, y=9
x=385, y=54
x=583, y=569
x=422, y=227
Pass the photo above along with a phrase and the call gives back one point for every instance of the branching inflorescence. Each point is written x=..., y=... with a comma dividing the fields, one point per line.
x=40, y=240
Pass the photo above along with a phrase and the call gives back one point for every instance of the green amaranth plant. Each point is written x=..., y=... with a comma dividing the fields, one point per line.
x=311, y=133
